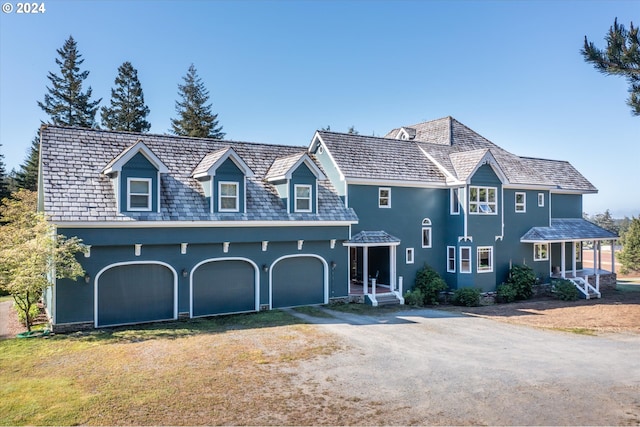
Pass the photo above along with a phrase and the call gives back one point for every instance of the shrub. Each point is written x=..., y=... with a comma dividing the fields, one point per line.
x=414, y=298
x=565, y=290
x=430, y=284
x=469, y=297
x=522, y=279
x=506, y=293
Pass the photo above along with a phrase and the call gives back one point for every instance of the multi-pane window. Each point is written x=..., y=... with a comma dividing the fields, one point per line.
x=138, y=194
x=465, y=259
x=454, y=195
x=483, y=200
x=384, y=197
x=485, y=259
x=540, y=251
x=521, y=202
x=409, y=256
x=541, y=200
x=426, y=233
x=303, y=198
x=451, y=259
x=228, y=196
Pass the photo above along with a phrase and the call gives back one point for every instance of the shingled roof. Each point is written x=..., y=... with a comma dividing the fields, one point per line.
x=75, y=189
x=567, y=229
x=439, y=149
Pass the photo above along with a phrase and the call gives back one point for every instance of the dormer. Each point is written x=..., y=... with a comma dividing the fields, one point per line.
x=296, y=180
x=223, y=176
x=135, y=174
x=406, y=134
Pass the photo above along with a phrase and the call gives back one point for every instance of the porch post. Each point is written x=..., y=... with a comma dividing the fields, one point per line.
x=613, y=257
x=573, y=262
x=563, y=251
x=392, y=268
x=598, y=267
x=349, y=270
x=595, y=257
x=365, y=270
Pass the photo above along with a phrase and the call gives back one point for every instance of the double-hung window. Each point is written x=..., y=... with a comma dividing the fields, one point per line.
x=465, y=259
x=426, y=233
x=451, y=259
x=483, y=200
x=540, y=251
x=485, y=259
x=384, y=197
x=303, y=198
x=409, y=256
x=228, y=196
x=139, y=194
x=541, y=200
x=521, y=202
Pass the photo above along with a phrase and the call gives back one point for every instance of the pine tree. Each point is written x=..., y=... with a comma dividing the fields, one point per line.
x=194, y=114
x=4, y=179
x=27, y=176
x=66, y=103
x=127, y=110
x=621, y=58
x=630, y=254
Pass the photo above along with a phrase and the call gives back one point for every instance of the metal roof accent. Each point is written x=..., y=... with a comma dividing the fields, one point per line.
x=372, y=238
x=567, y=229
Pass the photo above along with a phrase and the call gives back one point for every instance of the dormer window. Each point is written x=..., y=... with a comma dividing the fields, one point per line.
x=228, y=196
x=138, y=194
x=303, y=198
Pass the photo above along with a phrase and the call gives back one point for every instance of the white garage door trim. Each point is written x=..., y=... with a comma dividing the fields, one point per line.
x=325, y=274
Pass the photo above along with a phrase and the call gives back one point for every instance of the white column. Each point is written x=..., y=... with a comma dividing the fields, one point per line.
x=573, y=261
x=365, y=270
x=599, y=251
x=613, y=257
x=563, y=251
x=349, y=261
x=595, y=257
x=392, y=268
x=373, y=288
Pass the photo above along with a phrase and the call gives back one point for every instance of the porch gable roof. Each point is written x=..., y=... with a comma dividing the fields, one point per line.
x=567, y=229
x=372, y=238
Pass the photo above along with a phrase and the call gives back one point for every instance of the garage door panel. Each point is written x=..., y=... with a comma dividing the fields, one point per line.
x=135, y=294
x=298, y=281
x=223, y=287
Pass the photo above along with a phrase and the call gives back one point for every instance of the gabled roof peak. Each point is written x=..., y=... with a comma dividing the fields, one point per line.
x=211, y=161
x=125, y=155
x=283, y=167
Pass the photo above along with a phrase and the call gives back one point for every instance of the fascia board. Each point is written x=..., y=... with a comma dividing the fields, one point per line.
x=396, y=183
x=197, y=224
x=138, y=147
x=316, y=138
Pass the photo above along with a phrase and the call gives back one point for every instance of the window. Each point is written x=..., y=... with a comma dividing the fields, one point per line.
x=228, y=196
x=451, y=259
x=540, y=251
x=303, y=198
x=454, y=197
x=578, y=251
x=409, y=256
x=521, y=202
x=138, y=194
x=384, y=197
x=482, y=200
x=465, y=259
x=426, y=233
x=541, y=200
x=485, y=259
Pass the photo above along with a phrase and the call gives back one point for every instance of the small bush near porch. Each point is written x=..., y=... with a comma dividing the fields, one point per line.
x=519, y=285
x=427, y=288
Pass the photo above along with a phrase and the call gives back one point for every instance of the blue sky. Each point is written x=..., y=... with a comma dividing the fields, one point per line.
x=279, y=70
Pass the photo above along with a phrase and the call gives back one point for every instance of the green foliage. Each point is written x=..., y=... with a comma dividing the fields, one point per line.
x=27, y=176
x=620, y=58
x=469, y=297
x=430, y=284
x=565, y=290
x=506, y=292
x=194, y=114
x=414, y=297
x=4, y=179
x=31, y=252
x=127, y=110
x=630, y=255
x=519, y=285
x=66, y=103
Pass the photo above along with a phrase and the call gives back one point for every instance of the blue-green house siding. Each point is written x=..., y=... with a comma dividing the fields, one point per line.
x=229, y=172
x=566, y=205
x=138, y=167
x=302, y=175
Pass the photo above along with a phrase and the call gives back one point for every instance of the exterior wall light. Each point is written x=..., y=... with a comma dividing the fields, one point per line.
x=265, y=267
x=185, y=273
x=87, y=278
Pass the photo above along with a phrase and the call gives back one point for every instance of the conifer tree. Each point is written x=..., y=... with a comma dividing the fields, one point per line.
x=4, y=179
x=27, y=176
x=127, y=110
x=194, y=114
x=66, y=103
x=630, y=254
x=620, y=58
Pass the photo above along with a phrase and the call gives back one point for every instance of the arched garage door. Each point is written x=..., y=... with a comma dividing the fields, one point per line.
x=298, y=280
x=223, y=286
x=135, y=293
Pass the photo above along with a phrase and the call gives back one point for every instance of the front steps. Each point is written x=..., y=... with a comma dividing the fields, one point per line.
x=390, y=298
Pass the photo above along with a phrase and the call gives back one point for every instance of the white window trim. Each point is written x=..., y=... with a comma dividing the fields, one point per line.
x=148, y=194
x=380, y=190
x=449, y=259
x=296, y=198
x=535, y=258
x=521, y=207
x=541, y=200
x=236, y=197
x=479, y=203
x=428, y=230
x=463, y=271
x=488, y=269
x=409, y=257
x=454, y=201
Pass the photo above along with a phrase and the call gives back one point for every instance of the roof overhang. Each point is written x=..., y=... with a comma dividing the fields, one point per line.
x=567, y=230
x=139, y=147
x=372, y=239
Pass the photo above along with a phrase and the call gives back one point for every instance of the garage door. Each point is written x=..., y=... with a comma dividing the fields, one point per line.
x=135, y=293
x=297, y=281
x=223, y=286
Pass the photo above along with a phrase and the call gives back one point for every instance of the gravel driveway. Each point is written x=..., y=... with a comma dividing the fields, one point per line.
x=435, y=367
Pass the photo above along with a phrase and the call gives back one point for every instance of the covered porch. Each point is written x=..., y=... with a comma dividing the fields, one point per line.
x=574, y=232
x=372, y=267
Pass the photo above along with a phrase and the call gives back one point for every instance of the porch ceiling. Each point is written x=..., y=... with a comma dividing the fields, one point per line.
x=567, y=229
x=372, y=238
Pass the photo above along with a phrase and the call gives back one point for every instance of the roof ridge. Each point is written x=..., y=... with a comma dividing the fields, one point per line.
x=542, y=158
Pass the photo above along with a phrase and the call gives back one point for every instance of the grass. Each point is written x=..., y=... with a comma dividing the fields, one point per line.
x=579, y=331
x=367, y=310
x=313, y=311
x=225, y=370
x=4, y=298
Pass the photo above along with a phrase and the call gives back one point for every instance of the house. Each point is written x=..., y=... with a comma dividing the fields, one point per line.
x=187, y=227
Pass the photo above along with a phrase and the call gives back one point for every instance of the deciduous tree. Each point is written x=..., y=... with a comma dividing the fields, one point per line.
x=31, y=252
x=127, y=110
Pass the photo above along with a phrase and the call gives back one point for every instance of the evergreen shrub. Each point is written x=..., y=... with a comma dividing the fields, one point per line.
x=430, y=284
x=468, y=297
x=565, y=290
